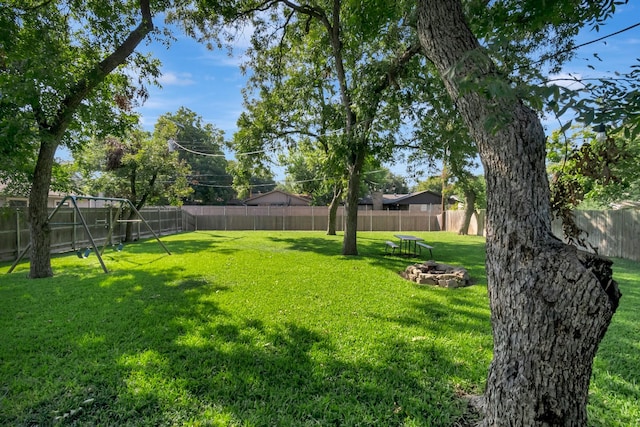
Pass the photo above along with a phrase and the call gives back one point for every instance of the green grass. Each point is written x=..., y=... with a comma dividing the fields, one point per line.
x=614, y=394
x=266, y=328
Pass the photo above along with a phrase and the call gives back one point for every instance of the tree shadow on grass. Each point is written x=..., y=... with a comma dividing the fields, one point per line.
x=321, y=245
x=146, y=348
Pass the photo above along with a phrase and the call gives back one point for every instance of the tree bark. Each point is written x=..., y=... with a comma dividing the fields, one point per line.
x=349, y=241
x=39, y=230
x=333, y=210
x=550, y=305
x=469, y=210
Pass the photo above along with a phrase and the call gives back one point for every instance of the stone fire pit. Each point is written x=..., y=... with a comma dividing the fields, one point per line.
x=433, y=273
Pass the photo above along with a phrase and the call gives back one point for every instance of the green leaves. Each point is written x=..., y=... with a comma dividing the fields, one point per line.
x=598, y=173
x=137, y=167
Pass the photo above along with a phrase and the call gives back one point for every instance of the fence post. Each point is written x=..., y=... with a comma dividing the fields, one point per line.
x=254, y=216
x=18, y=239
x=371, y=219
x=74, y=236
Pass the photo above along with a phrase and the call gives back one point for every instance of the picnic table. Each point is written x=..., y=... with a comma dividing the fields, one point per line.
x=408, y=243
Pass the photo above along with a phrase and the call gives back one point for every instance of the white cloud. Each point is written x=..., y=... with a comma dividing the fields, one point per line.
x=242, y=37
x=220, y=58
x=176, y=79
x=566, y=80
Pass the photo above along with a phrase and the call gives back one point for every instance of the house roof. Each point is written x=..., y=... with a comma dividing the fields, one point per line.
x=278, y=197
x=419, y=198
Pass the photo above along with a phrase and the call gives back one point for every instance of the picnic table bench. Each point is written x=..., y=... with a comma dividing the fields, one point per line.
x=424, y=245
x=391, y=245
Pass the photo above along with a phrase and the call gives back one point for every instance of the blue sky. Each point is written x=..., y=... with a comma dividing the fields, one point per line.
x=210, y=82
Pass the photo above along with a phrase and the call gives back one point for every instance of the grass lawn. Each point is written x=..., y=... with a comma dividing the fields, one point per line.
x=265, y=329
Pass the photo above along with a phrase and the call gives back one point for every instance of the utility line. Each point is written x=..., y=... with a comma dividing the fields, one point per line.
x=547, y=57
x=249, y=153
x=605, y=37
x=200, y=153
x=274, y=183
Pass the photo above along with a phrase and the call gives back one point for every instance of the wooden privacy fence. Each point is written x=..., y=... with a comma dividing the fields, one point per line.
x=614, y=233
x=313, y=218
x=68, y=235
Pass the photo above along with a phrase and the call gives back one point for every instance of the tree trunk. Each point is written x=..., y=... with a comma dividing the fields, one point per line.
x=128, y=227
x=133, y=198
x=550, y=305
x=469, y=210
x=333, y=210
x=40, y=263
x=132, y=216
x=443, y=209
x=349, y=241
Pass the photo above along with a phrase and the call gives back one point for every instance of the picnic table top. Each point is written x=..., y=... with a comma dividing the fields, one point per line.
x=408, y=237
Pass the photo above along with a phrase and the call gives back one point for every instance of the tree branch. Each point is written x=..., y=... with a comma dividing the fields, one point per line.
x=397, y=67
x=314, y=11
x=97, y=75
x=37, y=6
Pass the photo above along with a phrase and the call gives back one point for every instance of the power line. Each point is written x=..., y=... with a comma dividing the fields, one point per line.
x=572, y=48
x=200, y=153
x=276, y=183
x=606, y=37
x=173, y=142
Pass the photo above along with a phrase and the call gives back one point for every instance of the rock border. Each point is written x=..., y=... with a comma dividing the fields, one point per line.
x=437, y=274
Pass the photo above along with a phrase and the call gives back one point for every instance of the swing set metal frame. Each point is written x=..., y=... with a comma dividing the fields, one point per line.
x=124, y=203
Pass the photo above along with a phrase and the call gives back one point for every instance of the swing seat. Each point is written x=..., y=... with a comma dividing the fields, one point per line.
x=87, y=252
x=119, y=247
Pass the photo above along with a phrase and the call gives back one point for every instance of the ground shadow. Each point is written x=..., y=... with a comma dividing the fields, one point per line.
x=160, y=347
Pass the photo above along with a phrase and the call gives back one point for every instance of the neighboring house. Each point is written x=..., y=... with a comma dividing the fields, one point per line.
x=13, y=201
x=404, y=202
x=18, y=201
x=277, y=198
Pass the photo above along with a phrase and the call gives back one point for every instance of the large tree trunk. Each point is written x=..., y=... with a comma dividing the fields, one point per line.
x=40, y=239
x=349, y=241
x=333, y=210
x=550, y=306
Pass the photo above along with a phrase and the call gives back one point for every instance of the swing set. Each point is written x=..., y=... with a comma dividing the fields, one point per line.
x=123, y=204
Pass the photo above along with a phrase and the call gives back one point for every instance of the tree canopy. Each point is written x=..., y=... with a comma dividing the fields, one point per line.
x=62, y=78
x=327, y=70
x=200, y=145
x=137, y=166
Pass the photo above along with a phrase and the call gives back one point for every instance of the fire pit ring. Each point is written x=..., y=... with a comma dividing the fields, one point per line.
x=433, y=273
